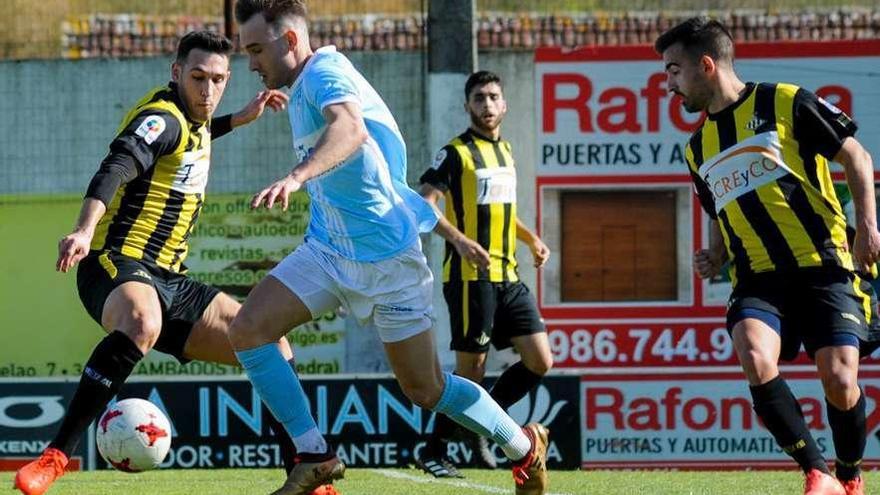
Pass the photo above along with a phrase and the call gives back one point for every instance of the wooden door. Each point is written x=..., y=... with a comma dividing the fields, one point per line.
x=619, y=246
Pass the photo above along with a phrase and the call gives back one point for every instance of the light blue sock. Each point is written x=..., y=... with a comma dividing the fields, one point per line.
x=279, y=387
x=469, y=405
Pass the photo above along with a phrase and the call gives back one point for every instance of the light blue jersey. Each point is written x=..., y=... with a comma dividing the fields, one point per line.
x=362, y=209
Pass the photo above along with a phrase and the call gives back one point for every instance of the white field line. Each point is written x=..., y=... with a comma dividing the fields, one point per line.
x=446, y=481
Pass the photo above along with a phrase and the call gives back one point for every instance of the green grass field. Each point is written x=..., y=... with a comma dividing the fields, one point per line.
x=413, y=482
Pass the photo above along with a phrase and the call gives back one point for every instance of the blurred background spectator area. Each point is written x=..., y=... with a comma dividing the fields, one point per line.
x=114, y=28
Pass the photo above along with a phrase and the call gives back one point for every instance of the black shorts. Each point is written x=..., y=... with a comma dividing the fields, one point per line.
x=183, y=300
x=816, y=307
x=483, y=312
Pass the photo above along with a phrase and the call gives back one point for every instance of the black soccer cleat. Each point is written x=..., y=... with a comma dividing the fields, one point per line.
x=439, y=467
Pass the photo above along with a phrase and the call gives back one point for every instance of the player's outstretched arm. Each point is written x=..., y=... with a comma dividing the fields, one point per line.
x=467, y=248
x=540, y=251
x=272, y=98
x=344, y=134
x=75, y=246
x=859, y=169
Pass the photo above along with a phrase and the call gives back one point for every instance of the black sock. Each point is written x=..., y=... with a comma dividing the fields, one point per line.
x=514, y=384
x=782, y=415
x=108, y=367
x=285, y=443
x=444, y=431
x=848, y=431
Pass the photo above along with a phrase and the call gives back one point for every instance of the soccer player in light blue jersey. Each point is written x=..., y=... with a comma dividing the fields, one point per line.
x=362, y=251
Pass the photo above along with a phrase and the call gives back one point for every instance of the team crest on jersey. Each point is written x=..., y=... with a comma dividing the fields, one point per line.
x=151, y=128
x=438, y=160
x=756, y=123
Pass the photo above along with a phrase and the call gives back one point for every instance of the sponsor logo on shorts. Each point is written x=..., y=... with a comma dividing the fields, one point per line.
x=142, y=274
x=391, y=308
x=851, y=317
x=483, y=340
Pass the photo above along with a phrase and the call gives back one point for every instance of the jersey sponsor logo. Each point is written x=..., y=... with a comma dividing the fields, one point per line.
x=438, y=160
x=192, y=176
x=744, y=167
x=496, y=185
x=304, y=146
x=151, y=128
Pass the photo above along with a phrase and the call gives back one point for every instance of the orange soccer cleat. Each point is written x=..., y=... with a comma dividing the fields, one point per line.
x=325, y=490
x=37, y=476
x=819, y=483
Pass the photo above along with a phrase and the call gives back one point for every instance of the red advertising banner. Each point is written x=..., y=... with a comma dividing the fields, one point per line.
x=700, y=421
x=586, y=345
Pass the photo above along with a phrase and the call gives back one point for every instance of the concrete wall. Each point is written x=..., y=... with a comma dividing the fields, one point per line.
x=59, y=116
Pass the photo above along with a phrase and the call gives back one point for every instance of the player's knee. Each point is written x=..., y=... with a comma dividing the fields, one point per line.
x=759, y=368
x=143, y=328
x=839, y=385
x=539, y=365
x=243, y=333
x=473, y=371
x=424, y=395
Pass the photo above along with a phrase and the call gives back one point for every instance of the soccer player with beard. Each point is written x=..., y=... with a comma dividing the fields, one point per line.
x=488, y=304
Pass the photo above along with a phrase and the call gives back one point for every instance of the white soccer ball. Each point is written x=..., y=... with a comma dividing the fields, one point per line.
x=133, y=435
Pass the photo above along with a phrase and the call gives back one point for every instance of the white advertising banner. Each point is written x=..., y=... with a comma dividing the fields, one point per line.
x=607, y=111
x=700, y=421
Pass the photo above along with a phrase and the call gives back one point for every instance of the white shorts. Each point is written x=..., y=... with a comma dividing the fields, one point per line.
x=395, y=294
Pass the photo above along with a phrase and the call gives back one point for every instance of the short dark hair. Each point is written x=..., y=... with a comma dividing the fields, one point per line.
x=208, y=41
x=480, y=78
x=272, y=10
x=699, y=36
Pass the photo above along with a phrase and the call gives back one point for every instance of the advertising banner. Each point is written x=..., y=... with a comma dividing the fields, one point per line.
x=700, y=421
x=30, y=414
x=608, y=124
x=47, y=333
x=222, y=423
x=608, y=111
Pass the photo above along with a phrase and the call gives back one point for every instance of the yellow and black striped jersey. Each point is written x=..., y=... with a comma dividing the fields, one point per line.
x=761, y=168
x=477, y=175
x=151, y=217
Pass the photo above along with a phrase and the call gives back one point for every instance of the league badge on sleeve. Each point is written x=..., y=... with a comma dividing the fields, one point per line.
x=829, y=105
x=151, y=128
x=438, y=160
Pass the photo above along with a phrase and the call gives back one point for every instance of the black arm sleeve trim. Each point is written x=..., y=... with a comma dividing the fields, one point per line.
x=820, y=125
x=704, y=195
x=440, y=173
x=221, y=126
x=115, y=170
